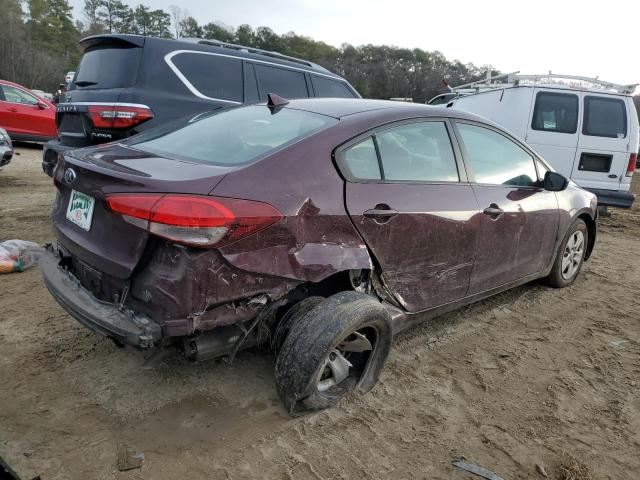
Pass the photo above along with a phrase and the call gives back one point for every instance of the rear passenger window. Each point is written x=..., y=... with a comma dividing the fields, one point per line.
x=362, y=161
x=555, y=112
x=495, y=159
x=286, y=83
x=418, y=152
x=213, y=76
x=604, y=117
x=325, y=87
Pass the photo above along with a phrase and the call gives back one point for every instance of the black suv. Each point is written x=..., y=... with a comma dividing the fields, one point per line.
x=126, y=84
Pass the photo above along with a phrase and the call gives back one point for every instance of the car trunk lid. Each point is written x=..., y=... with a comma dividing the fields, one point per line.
x=94, y=235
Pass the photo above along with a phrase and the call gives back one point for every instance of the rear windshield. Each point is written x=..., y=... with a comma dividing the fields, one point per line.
x=108, y=68
x=233, y=136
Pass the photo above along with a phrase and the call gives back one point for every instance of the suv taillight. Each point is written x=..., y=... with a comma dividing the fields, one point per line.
x=118, y=116
x=195, y=220
x=633, y=159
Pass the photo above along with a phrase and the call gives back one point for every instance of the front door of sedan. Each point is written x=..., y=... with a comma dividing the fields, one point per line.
x=520, y=219
x=407, y=195
x=22, y=113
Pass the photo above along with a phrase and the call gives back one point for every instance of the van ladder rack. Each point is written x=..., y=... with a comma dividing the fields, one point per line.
x=514, y=79
x=217, y=43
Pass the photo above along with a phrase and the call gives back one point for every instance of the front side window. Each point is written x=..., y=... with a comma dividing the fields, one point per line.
x=496, y=160
x=326, y=87
x=604, y=117
x=555, y=112
x=283, y=82
x=15, y=95
x=231, y=137
x=213, y=76
x=418, y=152
x=362, y=160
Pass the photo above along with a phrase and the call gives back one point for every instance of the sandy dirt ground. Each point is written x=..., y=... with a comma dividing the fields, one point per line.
x=533, y=380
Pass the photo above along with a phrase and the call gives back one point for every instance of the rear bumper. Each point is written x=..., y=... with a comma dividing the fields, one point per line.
x=50, y=153
x=613, y=198
x=101, y=317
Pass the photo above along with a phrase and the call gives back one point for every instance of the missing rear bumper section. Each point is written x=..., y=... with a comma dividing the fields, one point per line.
x=102, y=317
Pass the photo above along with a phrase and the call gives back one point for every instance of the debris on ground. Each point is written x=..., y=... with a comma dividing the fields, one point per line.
x=541, y=470
x=128, y=458
x=18, y=255
x=476, y=470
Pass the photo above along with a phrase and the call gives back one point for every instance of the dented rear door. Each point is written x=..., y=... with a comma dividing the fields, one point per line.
x=419, y=217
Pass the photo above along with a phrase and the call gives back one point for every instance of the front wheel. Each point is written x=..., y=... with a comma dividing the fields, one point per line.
x=570, y=256
x=339, y=345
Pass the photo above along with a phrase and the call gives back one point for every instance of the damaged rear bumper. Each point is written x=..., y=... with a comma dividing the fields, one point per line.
x=102, y=317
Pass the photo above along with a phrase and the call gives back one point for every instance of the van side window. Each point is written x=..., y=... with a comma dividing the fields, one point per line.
x=286, y=83
x=495, y=159
x=418, y=152
x=213, y=76
x=555, y=112
x=362, y=160
x=604, y=117
x=325, y=87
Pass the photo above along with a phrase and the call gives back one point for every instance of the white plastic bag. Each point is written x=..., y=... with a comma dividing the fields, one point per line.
x=18, y=255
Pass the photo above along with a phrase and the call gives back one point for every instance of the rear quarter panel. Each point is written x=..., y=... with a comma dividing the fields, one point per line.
x=316, y=238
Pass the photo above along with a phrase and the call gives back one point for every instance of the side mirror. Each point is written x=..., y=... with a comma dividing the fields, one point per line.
x=554, y=182
x=42, y=105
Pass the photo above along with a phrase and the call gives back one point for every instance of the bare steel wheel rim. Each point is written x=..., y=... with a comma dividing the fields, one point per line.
x=346, y=361
x=572, y=255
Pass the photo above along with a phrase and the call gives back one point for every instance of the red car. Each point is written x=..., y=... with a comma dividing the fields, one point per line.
x=25, y=115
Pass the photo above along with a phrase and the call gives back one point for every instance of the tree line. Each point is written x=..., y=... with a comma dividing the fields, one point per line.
x=39, y=44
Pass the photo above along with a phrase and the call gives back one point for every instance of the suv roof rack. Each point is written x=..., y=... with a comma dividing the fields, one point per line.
x=217, y=43
x=514, y=79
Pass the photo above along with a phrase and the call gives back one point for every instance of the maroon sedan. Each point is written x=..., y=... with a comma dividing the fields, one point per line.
x=320, y=227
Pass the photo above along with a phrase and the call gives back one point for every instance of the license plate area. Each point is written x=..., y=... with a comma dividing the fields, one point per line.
x=80, y=209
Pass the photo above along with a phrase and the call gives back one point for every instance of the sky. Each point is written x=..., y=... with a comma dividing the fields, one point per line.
x=566, y=37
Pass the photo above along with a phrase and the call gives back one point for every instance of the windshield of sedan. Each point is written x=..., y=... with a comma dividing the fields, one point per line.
x=232, y=137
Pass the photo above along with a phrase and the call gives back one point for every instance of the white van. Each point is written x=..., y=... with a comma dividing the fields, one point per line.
x=587, y=129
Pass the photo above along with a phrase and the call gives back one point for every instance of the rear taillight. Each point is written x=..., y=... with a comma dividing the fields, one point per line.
x=633, y=159
x=118, y=116
x=192, y=219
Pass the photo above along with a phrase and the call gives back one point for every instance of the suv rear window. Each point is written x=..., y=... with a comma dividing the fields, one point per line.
x=232, y=137
x=110, y=67
x=212, y=75
x=604, y=117
x=555, y=112
x=325, y=87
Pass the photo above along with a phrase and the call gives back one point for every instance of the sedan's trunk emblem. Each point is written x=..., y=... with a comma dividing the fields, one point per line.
x=69, y=175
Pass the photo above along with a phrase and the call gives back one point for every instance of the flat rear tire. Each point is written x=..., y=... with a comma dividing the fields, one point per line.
x=338, y=346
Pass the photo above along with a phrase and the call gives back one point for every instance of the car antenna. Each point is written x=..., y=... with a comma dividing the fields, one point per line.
x=275, y=102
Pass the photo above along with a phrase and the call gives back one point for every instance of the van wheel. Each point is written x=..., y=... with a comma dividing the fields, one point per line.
x=570, y=256
x=290, y=318
x=338, y=345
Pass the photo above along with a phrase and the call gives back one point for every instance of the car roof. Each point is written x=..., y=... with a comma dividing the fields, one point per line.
x=344, y=107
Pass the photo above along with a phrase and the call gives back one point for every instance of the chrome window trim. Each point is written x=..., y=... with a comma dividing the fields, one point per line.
x=169, y=56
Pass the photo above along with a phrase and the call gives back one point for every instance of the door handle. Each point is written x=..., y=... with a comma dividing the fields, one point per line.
x=11, y=109
x=381, y=213
x=493, y=210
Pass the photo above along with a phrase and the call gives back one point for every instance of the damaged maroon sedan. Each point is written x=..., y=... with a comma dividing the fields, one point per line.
x=319, y=227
